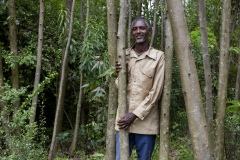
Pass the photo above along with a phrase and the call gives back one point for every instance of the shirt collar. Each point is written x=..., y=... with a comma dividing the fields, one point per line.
x=148, y=53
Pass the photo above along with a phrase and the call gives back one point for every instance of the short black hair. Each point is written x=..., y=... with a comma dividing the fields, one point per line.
x=146, y=21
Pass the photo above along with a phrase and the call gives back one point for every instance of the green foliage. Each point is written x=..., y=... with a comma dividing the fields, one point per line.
x=39, y=89
x=26, y=58
x=196, y=40
x=233, y=111
x=232, y=129
x=21, y=139
x=3, y=6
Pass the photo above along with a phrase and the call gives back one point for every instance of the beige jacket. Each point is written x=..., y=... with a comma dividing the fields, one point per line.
x=144, y=88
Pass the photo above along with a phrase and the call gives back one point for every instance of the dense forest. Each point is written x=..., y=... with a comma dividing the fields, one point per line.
x=58, y=97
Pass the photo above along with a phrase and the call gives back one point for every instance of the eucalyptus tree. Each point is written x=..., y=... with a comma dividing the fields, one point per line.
x=122, y=77
x=39, y=59
x=190, y=83
x=13, y=44
x=139, y=7
x=207, y=68
x=62, y=87
x=156, y=3
x=166, y=95
x=79, y=104
x=112, y=98
x=223, y=79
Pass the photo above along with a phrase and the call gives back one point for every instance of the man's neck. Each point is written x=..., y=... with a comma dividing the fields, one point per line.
x=141, y=48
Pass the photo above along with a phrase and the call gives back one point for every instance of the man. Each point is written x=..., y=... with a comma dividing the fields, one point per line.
x=145, y=67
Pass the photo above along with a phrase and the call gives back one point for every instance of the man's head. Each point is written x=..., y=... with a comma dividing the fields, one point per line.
x=141, y=28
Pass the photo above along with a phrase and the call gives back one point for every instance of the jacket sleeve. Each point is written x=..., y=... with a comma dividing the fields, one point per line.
x=155, y=92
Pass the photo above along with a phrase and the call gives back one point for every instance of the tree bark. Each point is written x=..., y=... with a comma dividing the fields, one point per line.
x=190, y=83
x=129, y=23
x=62, y=86
x=166, y=96
x=139, y=8
x=156, y=3
x=237, y=90
x=112, y=98
x=77, y=123
x=207, y=69
x=223, y=79
x=122, y=83
x=78, y=115
x=39, y=59
x=162, y=4
x=13, y=45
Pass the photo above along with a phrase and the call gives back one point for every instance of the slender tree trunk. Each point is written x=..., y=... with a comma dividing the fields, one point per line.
x=190, y=83
x=139, y=7
x=162, y=4
x=39, y=59
x=78, y=115
x=129, y=23
x=237, y=91
x=13, y=44
x=166, y=96
x=122, y=85
x=112, y=98
x=62, y=86
x=156, y=3
x=76, y=128
x=207, y=68
x=223, y=79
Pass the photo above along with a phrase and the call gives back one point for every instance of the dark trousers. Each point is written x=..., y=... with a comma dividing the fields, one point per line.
x=144, y=145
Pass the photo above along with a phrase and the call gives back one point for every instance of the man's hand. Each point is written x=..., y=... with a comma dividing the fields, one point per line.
x=126, y=120
x=119, y=67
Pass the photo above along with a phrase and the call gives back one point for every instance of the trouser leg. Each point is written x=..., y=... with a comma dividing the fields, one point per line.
x=144, y=146
x=131, y=144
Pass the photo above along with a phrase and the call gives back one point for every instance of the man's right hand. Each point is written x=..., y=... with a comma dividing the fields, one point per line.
x=118, y=67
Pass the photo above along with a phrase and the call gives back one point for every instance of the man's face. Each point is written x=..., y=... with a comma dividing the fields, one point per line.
x=140, y=31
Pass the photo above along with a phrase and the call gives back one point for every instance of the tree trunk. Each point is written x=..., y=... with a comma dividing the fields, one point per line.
x=76, y=128
x=166, y=96
x=78, y=115
x=156, y=3
x=61, y=94
x=223, y=79
x=13, y=44
x=207, y=69
x=162, y=4
x=112, y=98
x=39, y=59
x=190, y=83
x=139, y=8
x=129, y=23
x=237, y=90
x=122, y=83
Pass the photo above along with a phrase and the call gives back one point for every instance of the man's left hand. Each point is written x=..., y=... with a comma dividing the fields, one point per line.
x=126, y=120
